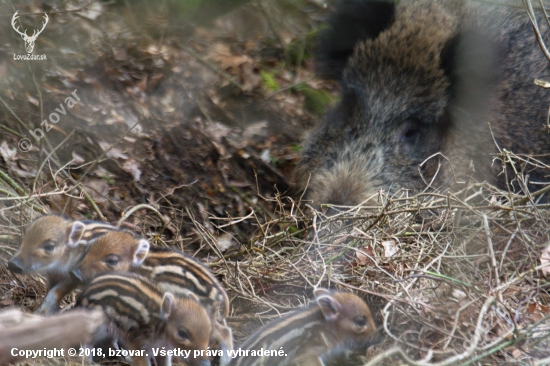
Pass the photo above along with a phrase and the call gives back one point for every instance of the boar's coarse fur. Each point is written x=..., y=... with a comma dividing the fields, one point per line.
x=425, y=79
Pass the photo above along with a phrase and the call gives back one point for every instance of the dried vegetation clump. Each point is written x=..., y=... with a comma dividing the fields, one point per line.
x=454, y=278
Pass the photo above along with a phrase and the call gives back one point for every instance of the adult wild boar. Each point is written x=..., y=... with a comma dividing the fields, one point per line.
x=428, y=88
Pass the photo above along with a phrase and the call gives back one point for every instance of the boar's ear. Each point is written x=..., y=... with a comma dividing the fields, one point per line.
x=141, y=252
x=75, y=233
x=471, y=61
x=167, y=304
x=352, y=22
x=328, y=304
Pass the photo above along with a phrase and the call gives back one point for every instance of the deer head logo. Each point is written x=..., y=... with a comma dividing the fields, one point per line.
x=29, y=41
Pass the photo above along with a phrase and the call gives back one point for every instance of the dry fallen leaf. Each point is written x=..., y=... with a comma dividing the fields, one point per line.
x=90, y=11
x=7, y=153
x=363, y=255
x=98, y=189
x=459, y=294
x=132, y=167
x=84, y=112
x=224, y=242
x=10, y=157
x=77, y=159
x=222, y=54
x=216, y=131
x=114, y=152
x=538, y=311
x=390, y=248
x=499, y=330
x=255, y=133
x=236, y=64
x=517, y=353
x=266, y=156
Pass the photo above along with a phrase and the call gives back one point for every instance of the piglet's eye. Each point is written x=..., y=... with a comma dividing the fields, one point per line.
x=360, y=321
x=112, y=260
x=182, y=333
x=48, y=246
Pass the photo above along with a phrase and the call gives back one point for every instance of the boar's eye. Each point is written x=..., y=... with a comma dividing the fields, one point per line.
x=409, y=132
x=112, y=260
x=182, y=333
x=48, y=246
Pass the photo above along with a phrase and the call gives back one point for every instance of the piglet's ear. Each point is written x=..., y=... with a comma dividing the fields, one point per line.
x=223, y=334
x=329, y=306
x=167, y=304
x=319, y=291
x=192, y=296
x=76, y=231
x=141, y=252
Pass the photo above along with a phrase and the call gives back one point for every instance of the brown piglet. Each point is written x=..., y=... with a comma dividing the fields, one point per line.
x=336, y=322
x=146, y=322
x=171, y=270
x=51, y=247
